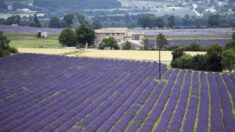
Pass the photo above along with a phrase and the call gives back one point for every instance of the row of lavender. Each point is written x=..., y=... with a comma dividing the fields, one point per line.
x=205, y=31
x=184, y=42
x=45, y=93
x=6, y=28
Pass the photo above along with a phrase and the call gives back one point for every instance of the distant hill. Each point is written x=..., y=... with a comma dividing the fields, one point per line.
x=64, y=5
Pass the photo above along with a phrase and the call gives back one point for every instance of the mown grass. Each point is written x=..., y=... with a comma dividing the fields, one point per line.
x=29, y=36
x=35, y=43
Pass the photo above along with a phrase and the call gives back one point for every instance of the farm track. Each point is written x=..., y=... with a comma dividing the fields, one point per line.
x=46, y=92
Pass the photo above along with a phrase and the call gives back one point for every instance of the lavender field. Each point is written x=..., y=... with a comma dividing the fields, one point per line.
x=201, y=42
x=56, y=93
x=6, y=28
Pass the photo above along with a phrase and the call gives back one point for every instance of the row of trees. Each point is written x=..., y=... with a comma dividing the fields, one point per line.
x=82, y=36
x=5, y=49
x=216, y=58
x=73, y=20
x=160, y=22
x=151, y=21
x=69, y=21
x=16, y=19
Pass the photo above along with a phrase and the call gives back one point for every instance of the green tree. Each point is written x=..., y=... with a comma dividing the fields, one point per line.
x=230, y=45
x=36, y=21
x=68, y=20
x=198, y=62
x=109, y=42
x=85, y=35
x=171, y=21
x=193, y=47
x=96, y=24
x=145, y=21
x=233, y=36
x=127, y=46
x=214, y=58
x=213, y=20
x=228, y=60
x=178, y=52
x=159, y=22
x=15, y=19
x=67, y=37
x=54, y=22
x=161, y=41
x=4, y=41
x=5, y=49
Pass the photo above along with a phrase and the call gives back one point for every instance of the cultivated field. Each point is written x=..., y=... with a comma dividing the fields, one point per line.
x=111, y=54
x=56, y=93
x=25, y=37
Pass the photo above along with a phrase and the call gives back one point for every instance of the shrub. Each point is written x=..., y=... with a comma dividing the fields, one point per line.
x=193, y=47
x=68, y=37
x=198, y=62
x=127, y=46
x=184, y=62
x=109, y=42
x=176, y=53
x=233, y=36
x=4, y=42
x=13, y=50
x=230, y=45
x=2, y=53
x=214, y=57
x=228, y=60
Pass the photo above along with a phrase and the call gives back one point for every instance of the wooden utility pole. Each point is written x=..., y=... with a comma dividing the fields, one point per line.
x=159, y=63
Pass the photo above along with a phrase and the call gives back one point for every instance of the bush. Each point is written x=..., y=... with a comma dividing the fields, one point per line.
x=228, y=60
x=214, y=58
x=68, y=37
x=233, y=36
x=2, y=53
x=184, y=62
x=13, y=50
x=4, y=42
x=199, y=62
x=193, y=47
x=176, y=53
x=230, y=45
x=5, y=49
x=127, y=46
x=109, y=42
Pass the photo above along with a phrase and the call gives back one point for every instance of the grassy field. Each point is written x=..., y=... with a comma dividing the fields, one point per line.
x=29, y=36
x=35, y=43
x=109, y=54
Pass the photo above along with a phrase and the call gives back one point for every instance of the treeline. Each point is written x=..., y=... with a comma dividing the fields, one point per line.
x=130, y=21
x=216, y=58
x=151, y=21
x=69, y=21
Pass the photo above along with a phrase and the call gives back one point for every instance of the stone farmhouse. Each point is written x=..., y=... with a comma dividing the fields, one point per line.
x=122, y=35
